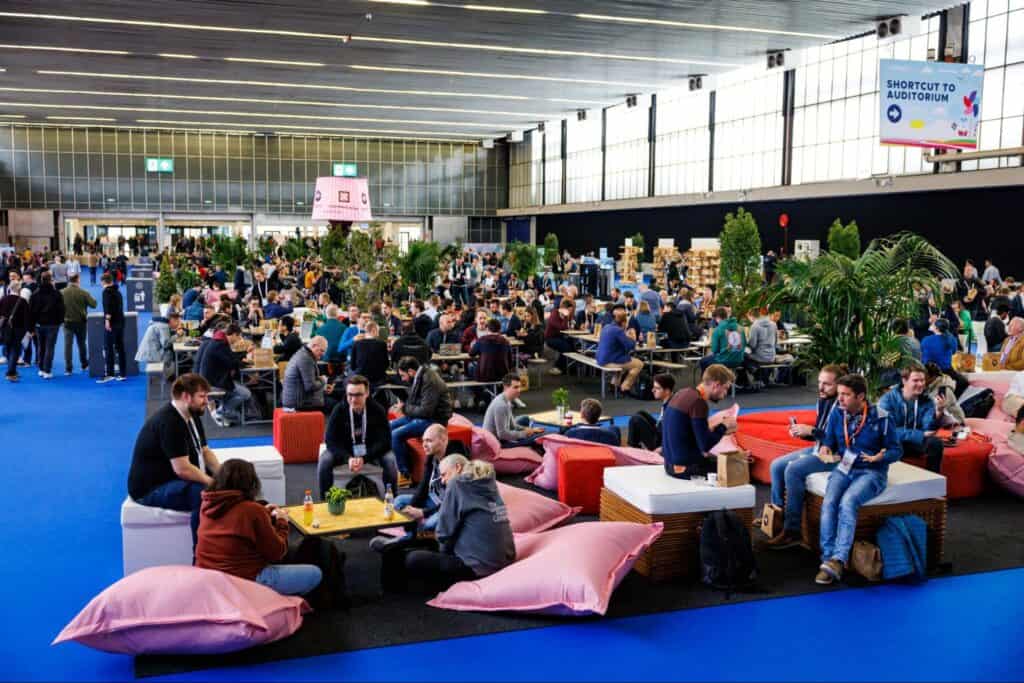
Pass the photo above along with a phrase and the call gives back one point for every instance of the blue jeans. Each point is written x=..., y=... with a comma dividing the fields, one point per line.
x=290, y=579
x=843, y=499
x=327, y=462
x=181, y=495
x=234, y=401
x=789, y=475
x=431, y=512
x=404, y=428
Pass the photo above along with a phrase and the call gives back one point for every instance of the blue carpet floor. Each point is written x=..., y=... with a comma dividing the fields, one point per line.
x=67, y=446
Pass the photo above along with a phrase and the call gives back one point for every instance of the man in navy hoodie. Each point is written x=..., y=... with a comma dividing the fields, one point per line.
x=862, y=441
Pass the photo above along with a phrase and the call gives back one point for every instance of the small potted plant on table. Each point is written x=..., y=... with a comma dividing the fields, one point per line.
x=336, y=500
x=560, y=397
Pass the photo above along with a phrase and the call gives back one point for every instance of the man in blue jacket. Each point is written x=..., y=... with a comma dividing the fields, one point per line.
x=913, y=413
x=614, y=347
x=862, y=442
x=939, y=348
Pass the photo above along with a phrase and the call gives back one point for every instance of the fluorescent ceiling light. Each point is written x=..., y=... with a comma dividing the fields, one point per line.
x=284, y=62
x=308, y=117
x=482, y=8
x=276, y=84
x=268, y=126
x=80, y=118
x=706, y=27
x=484, y=74
x=262, y=100
x=12, y=116
x=175, y=55
x=342, y=38
x=58, y=48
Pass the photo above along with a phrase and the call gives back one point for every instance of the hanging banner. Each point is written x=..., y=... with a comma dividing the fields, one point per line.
x=930, y=104
x=341, y=199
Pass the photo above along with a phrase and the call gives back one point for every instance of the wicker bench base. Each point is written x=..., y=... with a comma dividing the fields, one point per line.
x=676, y=553
x=871, y=517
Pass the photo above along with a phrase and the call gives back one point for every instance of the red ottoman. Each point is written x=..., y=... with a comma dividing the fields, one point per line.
x=297, y=436
x=581, y=475
x=766, y=436
x=418, y=456
x=965, y=466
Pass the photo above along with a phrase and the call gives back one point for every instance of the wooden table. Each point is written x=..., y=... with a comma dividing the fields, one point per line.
x=549, y=418
x=361, y=514
x=183, y=354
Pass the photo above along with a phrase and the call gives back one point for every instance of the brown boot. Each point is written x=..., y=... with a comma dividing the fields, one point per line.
x=830, y=571
x=786, y=539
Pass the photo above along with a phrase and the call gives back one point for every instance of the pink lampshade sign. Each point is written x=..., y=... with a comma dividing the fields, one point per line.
x=342, y=199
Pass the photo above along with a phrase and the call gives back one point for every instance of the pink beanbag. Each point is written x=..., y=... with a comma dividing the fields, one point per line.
x=568, y=571
x=459, y=420
x=1005, y=465
x=530, y=512
x=546, y=476
x=999, y=387
x=505, y=460
x=184, y=610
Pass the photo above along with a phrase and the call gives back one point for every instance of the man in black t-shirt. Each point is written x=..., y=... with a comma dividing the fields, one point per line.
x=166, y=471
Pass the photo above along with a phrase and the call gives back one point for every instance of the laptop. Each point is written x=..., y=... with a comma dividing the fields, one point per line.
x=450, y=349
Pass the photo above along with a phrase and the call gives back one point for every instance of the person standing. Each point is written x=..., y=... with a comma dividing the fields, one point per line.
x=59, y=272
x=77, y=303
x=47, y=310
x=113, y=336
x=14, y=310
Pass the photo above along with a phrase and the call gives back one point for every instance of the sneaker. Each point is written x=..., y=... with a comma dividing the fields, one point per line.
x=40, y=373
x=85, y=367
x=404, y=481
x=786, y=539
x=830, y=571
x=22, y=363
x=13, y=378
x=555, y=372
x=3, y=360
x=47, y=375
x=120, y=378
x=68, y=373
x=105, y=379
x=381, y=543
x=218, y=418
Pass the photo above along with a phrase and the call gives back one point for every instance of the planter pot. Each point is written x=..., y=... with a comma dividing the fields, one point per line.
x=561, y=414
x=336, y=508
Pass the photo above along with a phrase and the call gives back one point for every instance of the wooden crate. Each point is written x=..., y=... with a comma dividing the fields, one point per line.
x=871, y=517
x=676, y=553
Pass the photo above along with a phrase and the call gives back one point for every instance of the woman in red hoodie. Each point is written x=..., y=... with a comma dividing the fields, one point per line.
x=239, y=536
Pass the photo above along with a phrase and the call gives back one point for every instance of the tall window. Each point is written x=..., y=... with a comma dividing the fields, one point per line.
x=553, y=162
x=996, y=39
x=835, y=124
x=682, y=143
x=627, y=151
x=748, y=129
x=525, y=170
x=583, y=159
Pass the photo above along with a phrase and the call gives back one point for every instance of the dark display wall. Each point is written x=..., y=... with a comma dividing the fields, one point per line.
x=975, y=223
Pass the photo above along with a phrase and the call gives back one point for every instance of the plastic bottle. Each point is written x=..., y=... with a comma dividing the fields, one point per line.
x=389, y=503
x=307, y=508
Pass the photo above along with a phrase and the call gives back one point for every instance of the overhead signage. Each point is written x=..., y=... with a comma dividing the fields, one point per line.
x=342, y=199
x=344, y=170
x=930, y=104
x=158, y=165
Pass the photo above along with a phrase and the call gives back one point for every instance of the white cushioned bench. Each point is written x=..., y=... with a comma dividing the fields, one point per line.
x=645, y=494
x=907, y=483
x=152, y=537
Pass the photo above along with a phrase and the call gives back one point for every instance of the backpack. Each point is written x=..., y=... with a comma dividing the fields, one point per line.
x=726, y=557
x=642, y=389
x=362, y=486
x=977, y=403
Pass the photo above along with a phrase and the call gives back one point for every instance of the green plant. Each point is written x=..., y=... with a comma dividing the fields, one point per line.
x=741, y=257
x=638, y=241
x=524, y=259
x=850, y=303
x=844, y=240
x=419, y=265
x=336, y=495
x=266, y=246
x=295, y=249
x=228, y=252
x=166, y=285
x=550, y=249
x=560, y=397
x=186, y=279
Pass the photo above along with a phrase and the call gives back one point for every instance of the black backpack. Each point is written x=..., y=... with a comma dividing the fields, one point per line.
x=362, y=486
x=726, y=557
x=978, y=404
x=643, y=388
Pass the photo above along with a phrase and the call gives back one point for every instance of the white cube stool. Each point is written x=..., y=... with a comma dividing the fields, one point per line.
x=910, y=490
x=152, y=537
x=269, y=468
x=343, y=475
x=645, y=494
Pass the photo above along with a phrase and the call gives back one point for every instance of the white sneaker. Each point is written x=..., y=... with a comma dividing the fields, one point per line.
x=105, y=379
x=68, y=373
x=554, y=371
x=120, y=378
x=40, y=373
x=47, y=375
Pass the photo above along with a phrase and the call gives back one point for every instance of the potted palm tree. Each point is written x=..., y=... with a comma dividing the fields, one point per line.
x=336, y=498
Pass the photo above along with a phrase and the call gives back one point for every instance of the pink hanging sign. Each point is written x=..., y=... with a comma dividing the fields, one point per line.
x=341, y=199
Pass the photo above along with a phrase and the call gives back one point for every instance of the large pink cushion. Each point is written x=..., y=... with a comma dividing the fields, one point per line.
x=505, y=460
x=999, y=387
x=572, y=571
x=184, y=610
x=1005, y=465
x=546, y=476
x=530, y=512
x=459, y=420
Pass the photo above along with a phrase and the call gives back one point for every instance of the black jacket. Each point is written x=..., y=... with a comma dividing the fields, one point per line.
x=429, y=398
x=47, y=306
x=674, y=324
x=995, y=333
x=339, y=432
x=17, y=311
x=113, y=305
x=411, y=345
x=288, y=347
x=370, y=359
x=437, y=337
x=423, y=325
x=220, y=366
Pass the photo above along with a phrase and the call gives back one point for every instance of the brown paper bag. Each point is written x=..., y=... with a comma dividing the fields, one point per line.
x=964, y=362
x=524, y=380
x=263, y=358
x=990, y=362
x=771, y=520
x=733, y=469
x=866, y=560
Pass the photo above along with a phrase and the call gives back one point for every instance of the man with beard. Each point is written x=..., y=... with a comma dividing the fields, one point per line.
x=687, y=434
x=172, y=463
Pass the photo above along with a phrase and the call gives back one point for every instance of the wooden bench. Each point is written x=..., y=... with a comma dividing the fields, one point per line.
x=583, y=359
x=156, y=369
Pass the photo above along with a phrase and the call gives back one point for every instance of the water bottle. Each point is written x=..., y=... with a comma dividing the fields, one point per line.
x=307, y=508
x=389, y=503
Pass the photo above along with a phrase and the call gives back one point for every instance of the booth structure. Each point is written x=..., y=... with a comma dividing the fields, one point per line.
x=94, y=334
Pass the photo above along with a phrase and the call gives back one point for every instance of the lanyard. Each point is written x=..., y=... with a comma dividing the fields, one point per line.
x=352, y=426
x=846, y=428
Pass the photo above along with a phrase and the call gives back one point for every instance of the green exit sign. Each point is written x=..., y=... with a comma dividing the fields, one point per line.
x=345, y=170
x=155, y=165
